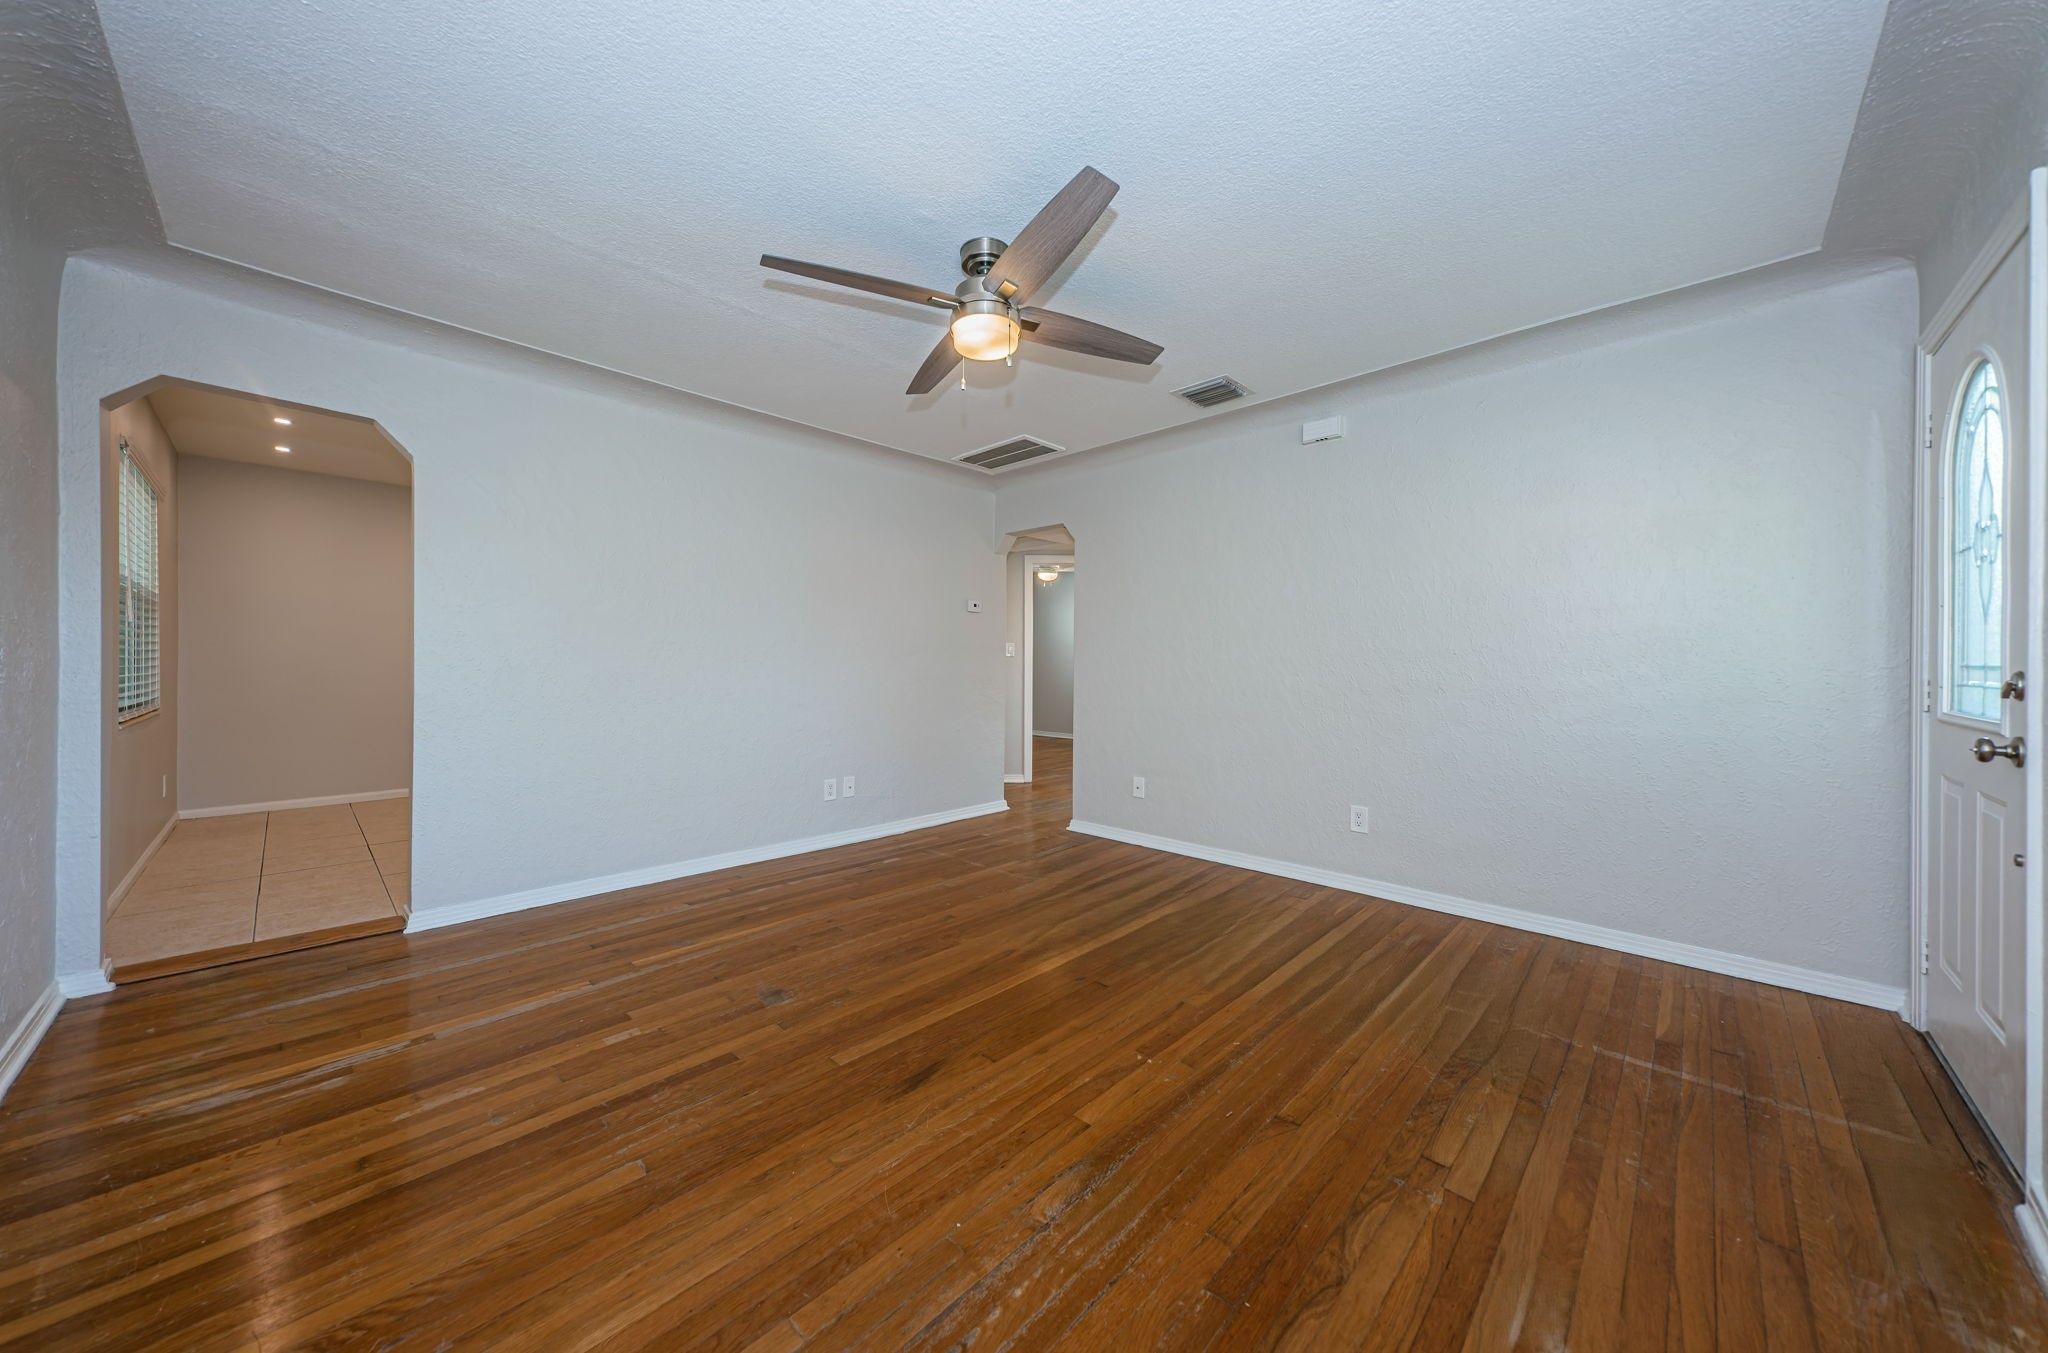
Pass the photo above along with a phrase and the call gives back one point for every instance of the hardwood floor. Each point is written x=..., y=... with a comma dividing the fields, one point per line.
x=993, y=1085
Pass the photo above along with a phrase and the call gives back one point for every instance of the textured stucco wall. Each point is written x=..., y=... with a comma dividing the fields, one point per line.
x=646, y=626
x=1609, y=623
x=30, y=268
x=70, y=178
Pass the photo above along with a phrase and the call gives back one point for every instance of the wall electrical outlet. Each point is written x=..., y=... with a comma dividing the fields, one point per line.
x=974, y=608
x=1358, y=817
x=846, y=787
x=1137, y=786
x=831, y=788
x=1009, y=650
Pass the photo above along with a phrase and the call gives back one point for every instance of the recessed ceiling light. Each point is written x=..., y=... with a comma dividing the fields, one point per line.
x=282, y=422
x=285, y=449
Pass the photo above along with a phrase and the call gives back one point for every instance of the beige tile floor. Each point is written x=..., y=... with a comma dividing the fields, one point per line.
x=219, y=882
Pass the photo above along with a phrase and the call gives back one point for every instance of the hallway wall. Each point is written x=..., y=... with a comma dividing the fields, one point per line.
x=1052, y=654
x=295, y=659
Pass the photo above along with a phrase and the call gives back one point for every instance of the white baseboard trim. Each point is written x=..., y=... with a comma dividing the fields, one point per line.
x=2034, y=1231
x=1017, y=779
x=113, y=899
x=283, y=805
x=90, y=982
x=22, y=1039
x=432, y=918
x=1628, y=942
x=1041, y=733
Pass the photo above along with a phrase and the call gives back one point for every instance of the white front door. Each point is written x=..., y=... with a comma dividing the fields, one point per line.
x=1976, y=809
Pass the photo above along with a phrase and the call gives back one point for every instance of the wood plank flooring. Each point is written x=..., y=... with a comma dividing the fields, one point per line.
x=992, y=1086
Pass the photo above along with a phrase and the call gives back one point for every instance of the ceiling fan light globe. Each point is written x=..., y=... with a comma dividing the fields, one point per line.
x=985, y=336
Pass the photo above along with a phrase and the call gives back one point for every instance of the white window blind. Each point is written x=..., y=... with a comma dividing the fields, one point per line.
x=139, y=685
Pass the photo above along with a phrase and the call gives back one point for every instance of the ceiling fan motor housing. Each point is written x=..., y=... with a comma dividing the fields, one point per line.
x=979, y=254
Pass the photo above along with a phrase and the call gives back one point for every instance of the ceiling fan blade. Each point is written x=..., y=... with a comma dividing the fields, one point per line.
x=1085, y=335
x=936, y=367
x=1059, y=227
x=860, y=281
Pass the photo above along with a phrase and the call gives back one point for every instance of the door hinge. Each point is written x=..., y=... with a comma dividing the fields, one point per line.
x=1923, y=956
x=1927, y=696
x=1929, y=443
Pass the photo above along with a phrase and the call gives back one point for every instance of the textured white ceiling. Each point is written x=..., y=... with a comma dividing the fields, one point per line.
x=220, y=425
x=1310, y=190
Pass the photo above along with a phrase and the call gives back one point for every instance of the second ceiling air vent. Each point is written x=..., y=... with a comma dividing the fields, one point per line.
x=1004, y=455
x=1210, y=393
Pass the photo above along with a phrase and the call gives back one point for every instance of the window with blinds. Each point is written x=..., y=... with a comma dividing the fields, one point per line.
x=139, y=683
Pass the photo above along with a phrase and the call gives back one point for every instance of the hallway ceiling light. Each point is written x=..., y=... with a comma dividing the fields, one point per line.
x=282, y=422
x=1046, y=573
x=286, y=450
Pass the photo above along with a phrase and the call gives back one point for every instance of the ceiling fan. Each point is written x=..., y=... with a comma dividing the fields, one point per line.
x=988, y=322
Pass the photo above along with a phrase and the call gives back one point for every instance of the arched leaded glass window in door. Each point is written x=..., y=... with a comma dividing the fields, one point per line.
x=1976, y=515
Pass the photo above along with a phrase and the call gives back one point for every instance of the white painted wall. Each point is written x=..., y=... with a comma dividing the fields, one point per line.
x=140, y=784
x=646, y=626
x=1052, y=655
x=31, y=265
x=295, y=635
x=1607, y=623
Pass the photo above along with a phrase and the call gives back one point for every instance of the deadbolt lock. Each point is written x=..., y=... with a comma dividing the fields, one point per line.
x=2015, y=687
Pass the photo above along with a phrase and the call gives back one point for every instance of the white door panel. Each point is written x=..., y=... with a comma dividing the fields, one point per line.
x=1976, y=575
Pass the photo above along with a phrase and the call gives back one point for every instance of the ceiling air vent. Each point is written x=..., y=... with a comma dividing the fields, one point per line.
x=1210, y=393
x=1006, y=455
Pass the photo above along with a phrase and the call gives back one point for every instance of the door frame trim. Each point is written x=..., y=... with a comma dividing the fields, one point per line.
x=2034, y=1165
x=1928, y=455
